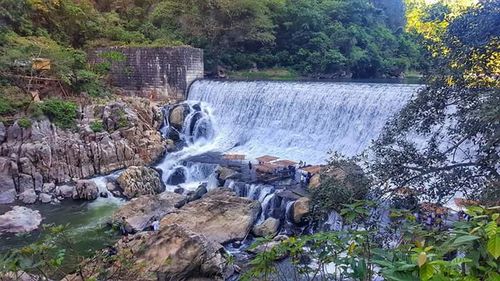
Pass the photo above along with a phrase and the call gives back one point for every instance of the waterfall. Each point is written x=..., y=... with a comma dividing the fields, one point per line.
x=298, y=120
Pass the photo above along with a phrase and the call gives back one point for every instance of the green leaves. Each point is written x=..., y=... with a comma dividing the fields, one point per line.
x=466, y=239
x=493, y=246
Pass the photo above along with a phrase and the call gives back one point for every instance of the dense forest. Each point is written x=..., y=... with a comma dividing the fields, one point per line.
x=319, y=38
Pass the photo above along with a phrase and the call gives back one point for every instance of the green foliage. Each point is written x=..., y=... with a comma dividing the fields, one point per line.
x=12, y=100
x=315, y=38
x=467, y=251
x=97, y=126
x=24, y=123
x=446, y=139
x=343, y=182
x=62, y=113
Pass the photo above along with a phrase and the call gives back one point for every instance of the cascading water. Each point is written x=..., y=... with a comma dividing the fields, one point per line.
x=291, y=120
x=299, y=120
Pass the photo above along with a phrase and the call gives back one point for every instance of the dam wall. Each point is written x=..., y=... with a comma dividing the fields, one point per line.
x=155, y=73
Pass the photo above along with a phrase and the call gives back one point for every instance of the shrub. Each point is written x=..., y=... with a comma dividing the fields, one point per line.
x=24, y=123
x=342, y=183
x=97, y=126
x=62, y=113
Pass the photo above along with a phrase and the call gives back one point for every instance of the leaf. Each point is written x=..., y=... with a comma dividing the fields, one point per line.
x=426, y=272
x=422, y=258
x=464, y=240
x=459, y=261
x=491, y=229
x=493, y=246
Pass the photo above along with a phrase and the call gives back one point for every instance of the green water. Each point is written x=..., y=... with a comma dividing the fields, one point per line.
x=86, y=224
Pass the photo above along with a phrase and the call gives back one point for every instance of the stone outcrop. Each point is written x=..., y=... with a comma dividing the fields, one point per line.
x=28, y=196
x=86, y=190
x=188, y=254
x=300, y=209
x=220, y=215
x=19, y=220
x=44, y=153
x=140, y=212
x=136, y=181
x=269, y=227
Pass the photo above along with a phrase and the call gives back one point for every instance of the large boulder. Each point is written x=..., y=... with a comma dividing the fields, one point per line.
x=8, y=171
x=177, y=115
x=65, y=191
x=224, y=173
x=172, y=253
x=220, y=215
x=28, y=196
x=300, y=209
x=267, y=228
x=139, y=212
x=136, y=181
x=19, y=220
x=86, y=190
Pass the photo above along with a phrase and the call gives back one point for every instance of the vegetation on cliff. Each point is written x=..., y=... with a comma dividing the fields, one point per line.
x=320, y=38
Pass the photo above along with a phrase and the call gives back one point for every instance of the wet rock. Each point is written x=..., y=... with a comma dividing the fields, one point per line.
x=224, y=173
x=19, y=220
x=177, y=115
x=300, y=209
x=264, y=247
x=110, y=186
x=8, y=171
x=86, y=190
x=220, y=215
x=179, y=190
x=139, y=212
x=267, y=228
x=45, y=198
x=136, y=181
x=28, y=196
x=65, y=191
x=199, y=192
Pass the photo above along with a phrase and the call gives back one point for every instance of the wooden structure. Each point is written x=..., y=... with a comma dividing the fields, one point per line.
x=236, y=157
x=266, y=159
x=284, y=163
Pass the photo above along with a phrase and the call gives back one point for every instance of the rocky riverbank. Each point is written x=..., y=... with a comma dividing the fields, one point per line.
x=34, y=160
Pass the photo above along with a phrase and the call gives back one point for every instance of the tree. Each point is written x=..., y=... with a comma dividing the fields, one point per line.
x=447, y=139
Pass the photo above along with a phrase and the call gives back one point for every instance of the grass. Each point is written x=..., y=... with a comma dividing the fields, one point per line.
x=265, y=74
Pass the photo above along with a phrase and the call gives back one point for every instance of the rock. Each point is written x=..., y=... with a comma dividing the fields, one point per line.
x=175, y=253
x=86, y=190
x=300, y=209
x=48, y=187
x=45, y=198
x=19, y=276
x=20, y=219
x=224, y=173
x=110, y=186
x=314, y=181
x=269, y=245
x=3, y=132
x=28, y=196
x=179, y=190
x=200, y=191
x=267, y=228
x=8, y=171
x=220, y=215
x=136, y=181
x=44, y=153
x=65, y=191
x=170, y=145
x=140, y=211
x=177, y=115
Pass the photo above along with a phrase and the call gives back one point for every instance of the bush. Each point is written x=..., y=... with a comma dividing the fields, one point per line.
x=24, y=123
x=97, y=126
x=62, y=113
x=343, y=182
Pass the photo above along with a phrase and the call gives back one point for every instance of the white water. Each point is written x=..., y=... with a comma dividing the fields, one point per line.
x=297, y=120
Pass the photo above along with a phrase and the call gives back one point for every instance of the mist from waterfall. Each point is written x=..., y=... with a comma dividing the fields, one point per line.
x=298, y=120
